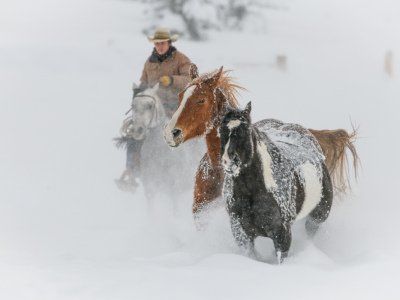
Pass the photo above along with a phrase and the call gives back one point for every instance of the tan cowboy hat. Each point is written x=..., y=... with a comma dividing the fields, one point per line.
x=162, y=35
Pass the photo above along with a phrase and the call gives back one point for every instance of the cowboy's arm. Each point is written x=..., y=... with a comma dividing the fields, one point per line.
x=144, y=78
x=143, y=81
x=181, y=80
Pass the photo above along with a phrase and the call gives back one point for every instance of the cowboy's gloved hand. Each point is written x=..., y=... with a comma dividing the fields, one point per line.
x=166, y=80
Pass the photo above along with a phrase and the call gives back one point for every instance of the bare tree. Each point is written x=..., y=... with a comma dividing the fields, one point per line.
x=198, y=16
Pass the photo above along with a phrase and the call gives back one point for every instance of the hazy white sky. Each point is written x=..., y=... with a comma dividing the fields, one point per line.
x=66, y=232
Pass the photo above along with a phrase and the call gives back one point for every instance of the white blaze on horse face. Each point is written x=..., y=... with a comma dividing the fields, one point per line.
x=225, y=157
x=172, y=123
x=266, y=163
x=312, y=189
x=227, y=162
x=233, y=124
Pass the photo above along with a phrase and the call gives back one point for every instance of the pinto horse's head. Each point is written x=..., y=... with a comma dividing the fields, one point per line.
x=236, y=140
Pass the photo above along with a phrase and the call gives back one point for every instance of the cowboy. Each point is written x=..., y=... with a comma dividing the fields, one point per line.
x=170, y=68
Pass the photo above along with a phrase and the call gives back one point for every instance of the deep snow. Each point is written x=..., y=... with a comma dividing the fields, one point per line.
x=66, y=232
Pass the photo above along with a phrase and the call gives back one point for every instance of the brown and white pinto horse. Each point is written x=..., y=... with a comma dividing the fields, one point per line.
x=201, y=106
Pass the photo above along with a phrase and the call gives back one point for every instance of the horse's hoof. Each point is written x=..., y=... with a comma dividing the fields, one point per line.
x=281, y=256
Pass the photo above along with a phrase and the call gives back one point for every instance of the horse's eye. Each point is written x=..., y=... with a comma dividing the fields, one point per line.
x=201, y=101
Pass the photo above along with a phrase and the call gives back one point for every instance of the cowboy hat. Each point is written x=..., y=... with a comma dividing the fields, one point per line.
x=162, y=35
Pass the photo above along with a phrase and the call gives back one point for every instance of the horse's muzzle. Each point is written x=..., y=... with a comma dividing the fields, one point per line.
x=139, y=133
x=173, y=137
x=176, y=132
x=231, y=166
x=232, y=170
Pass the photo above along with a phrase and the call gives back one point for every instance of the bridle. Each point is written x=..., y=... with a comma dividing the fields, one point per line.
x=154, y=112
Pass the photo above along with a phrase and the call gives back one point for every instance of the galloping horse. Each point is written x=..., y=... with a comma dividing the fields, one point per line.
x=158, y=171
x=201, y=106
x=274, y=174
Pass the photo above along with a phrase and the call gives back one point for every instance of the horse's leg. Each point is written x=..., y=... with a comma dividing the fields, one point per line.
x=208, y=186
x=244, y=241
x=282, y=238
x=321, y=212
x=149, y=194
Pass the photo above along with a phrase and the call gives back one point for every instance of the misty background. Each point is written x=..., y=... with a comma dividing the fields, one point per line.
x=66, y=71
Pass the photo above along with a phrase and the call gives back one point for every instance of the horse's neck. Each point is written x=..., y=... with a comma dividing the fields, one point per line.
x=159, y=116
x=264, y=150
x=214, y=147
x=255, y=139
x=259, y=147
x=213, y=140
x=260, y=136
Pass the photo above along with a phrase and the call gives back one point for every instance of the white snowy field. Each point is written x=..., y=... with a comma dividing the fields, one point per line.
x=66, y=231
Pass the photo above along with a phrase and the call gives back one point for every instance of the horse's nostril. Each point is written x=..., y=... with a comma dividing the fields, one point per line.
x=176, y=132
x=140, y=130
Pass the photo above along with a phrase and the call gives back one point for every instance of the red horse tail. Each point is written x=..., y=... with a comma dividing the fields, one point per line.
x=334, y=144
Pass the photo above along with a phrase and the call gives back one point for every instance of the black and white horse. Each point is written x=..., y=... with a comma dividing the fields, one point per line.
x=274, y=175
x=159, y=173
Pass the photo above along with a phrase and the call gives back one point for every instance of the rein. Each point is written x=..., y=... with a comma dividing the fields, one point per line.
x=129, y=120
x=141, y=95
x=154, y=112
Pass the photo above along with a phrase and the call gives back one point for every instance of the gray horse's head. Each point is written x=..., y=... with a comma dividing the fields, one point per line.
x=147, y=112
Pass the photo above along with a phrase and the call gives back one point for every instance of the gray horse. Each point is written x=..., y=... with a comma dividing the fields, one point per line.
x=163, y=171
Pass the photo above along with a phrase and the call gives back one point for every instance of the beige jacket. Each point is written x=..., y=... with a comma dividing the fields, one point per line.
x=177, y=66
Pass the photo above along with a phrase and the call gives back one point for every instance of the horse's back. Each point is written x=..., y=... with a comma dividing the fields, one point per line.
x=299, y=158
x=266, y=124
x=293, y=140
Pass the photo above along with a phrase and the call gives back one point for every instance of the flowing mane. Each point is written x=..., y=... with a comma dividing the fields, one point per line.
x=225, y=82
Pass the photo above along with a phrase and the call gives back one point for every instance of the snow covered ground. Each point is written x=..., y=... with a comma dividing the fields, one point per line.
x=66, y=232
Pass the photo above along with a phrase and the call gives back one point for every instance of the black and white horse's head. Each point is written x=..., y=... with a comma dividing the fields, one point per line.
x=236, y=140
x=147, y=112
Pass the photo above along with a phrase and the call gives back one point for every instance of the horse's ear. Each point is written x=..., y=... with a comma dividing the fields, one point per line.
x=214, y=79
x=220, y=99
x=218, y=75
x=247, y=110
x=193, y=71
